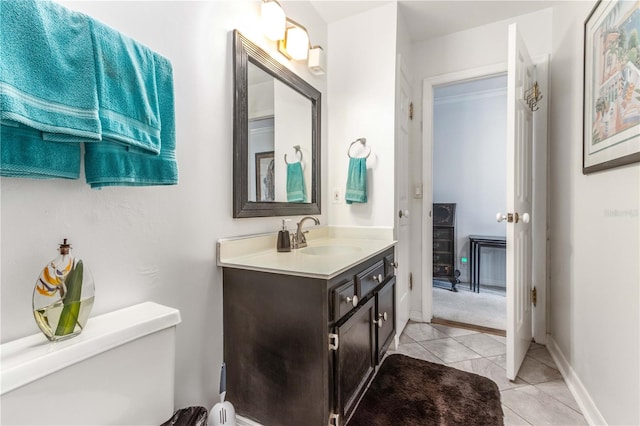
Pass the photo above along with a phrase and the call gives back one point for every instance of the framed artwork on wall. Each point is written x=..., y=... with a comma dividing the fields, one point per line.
x=611, y=132
x=265, y=177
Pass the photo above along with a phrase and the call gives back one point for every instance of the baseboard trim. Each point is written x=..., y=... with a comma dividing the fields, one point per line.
x=415, y=316
x=577, y=389
x=243, y=421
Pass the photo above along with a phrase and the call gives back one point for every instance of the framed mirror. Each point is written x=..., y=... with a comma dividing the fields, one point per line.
x=276, y=136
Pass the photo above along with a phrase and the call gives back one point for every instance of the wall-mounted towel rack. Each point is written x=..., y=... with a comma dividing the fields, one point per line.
x=298, y=153
x=363, y=141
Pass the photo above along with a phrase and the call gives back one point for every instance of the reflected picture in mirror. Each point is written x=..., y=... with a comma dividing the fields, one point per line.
x=265, y=177
x=276, y=124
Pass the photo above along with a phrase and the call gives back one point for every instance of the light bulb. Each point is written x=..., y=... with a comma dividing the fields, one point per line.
x=273, y=20
x=297, y=43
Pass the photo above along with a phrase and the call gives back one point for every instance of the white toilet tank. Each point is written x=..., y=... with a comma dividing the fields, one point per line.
x=119, y=371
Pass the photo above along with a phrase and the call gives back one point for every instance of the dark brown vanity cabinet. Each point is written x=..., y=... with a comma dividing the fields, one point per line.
x=302, y=350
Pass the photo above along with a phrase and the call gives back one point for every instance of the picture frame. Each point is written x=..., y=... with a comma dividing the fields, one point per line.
x=265, y=177
x=611, y=117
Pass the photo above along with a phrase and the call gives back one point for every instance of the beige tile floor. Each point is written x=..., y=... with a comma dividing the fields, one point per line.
x=538, y=396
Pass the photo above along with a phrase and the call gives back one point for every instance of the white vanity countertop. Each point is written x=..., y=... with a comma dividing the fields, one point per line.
x=346, y=247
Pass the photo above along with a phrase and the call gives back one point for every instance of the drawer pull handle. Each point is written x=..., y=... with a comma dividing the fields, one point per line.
x=382, y=316
x=353, y=300
x=377, y=278
x=378, y=322
x=395, y=265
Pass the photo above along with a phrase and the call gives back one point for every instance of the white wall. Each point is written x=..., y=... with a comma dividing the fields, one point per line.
x=594, y=243
x=470, y=167
x=361, y=83
x=474, y=48
x=154, y=243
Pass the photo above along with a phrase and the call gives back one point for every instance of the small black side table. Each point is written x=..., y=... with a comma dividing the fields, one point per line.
x=476, y=242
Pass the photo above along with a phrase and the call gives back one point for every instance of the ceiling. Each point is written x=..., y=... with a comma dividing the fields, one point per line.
x=427, y=19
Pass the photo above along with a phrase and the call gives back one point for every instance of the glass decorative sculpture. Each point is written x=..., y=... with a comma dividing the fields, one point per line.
x=63, y=296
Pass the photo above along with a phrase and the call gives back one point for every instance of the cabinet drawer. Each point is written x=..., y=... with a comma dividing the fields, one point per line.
x=442, y=245
x=344, y=300
x=443, y=258
x=369, y=279
x=442, y=270
x=389, y=266
x=443, y=233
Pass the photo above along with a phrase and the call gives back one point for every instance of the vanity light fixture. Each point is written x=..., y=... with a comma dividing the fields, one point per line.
x=274, y=20
x=317, y=60
x=295, y=44
x=292, y=37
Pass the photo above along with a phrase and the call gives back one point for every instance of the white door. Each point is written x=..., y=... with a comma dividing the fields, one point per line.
x=402, y=196
x=519, y=202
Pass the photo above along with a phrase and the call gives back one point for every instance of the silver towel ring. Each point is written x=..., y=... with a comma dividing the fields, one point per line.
x=363, y=141
x=298, y=152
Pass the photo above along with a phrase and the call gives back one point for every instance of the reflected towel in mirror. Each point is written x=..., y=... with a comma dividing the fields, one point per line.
x=296, y=191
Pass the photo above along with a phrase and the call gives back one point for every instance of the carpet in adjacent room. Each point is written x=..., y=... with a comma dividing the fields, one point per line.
x=411, y=392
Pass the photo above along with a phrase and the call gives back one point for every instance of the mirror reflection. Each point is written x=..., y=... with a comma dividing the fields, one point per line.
x=276, y=137
x=279, y=120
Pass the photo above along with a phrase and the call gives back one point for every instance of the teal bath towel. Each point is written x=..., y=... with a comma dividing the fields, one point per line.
x=296, y=190
x=47, y=70
x=127, y=89
x=25, y=154
x=356, y=181
x=114, y=164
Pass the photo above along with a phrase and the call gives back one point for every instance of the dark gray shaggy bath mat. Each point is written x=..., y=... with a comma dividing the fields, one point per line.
x=411, y=392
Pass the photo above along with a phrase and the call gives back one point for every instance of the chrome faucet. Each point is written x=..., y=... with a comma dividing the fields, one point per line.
x=299, y=239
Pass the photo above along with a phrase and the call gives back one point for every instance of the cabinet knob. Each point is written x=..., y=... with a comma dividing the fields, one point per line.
x=382, y=316
x=395, y=265
x=377, y=278
x=353, y=300
x=378, y=322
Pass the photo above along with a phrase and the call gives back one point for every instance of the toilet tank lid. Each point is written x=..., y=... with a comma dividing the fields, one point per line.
x=31, y=358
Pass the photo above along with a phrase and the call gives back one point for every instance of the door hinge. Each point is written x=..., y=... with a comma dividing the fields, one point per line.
x=410, y=281
x=334, y=419
x=334, y=342
x=534, y=296
x=410, y=110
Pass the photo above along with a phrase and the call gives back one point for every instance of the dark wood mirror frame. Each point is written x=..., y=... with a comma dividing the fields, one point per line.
x=245, y=52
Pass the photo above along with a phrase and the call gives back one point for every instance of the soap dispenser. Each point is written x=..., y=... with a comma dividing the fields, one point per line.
x=284, y=242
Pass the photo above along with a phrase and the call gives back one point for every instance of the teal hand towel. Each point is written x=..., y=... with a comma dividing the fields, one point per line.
x=296, y=190
x=47, y=70
x=25, y=154
x=114, y=164
x=356, y=181
x=127, y=89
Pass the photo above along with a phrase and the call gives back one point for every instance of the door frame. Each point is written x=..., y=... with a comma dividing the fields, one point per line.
x=539, y=182
x=402, y=224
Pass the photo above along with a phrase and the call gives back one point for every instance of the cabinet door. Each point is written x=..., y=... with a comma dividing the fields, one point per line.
x=355, y=358
x=385, y=316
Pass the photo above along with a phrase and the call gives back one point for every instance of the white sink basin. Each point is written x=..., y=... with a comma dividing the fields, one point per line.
x=330, y=250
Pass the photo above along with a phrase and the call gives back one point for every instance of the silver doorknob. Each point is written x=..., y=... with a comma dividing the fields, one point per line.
x=403, y=213
x=526, y=218
x=353, y=300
